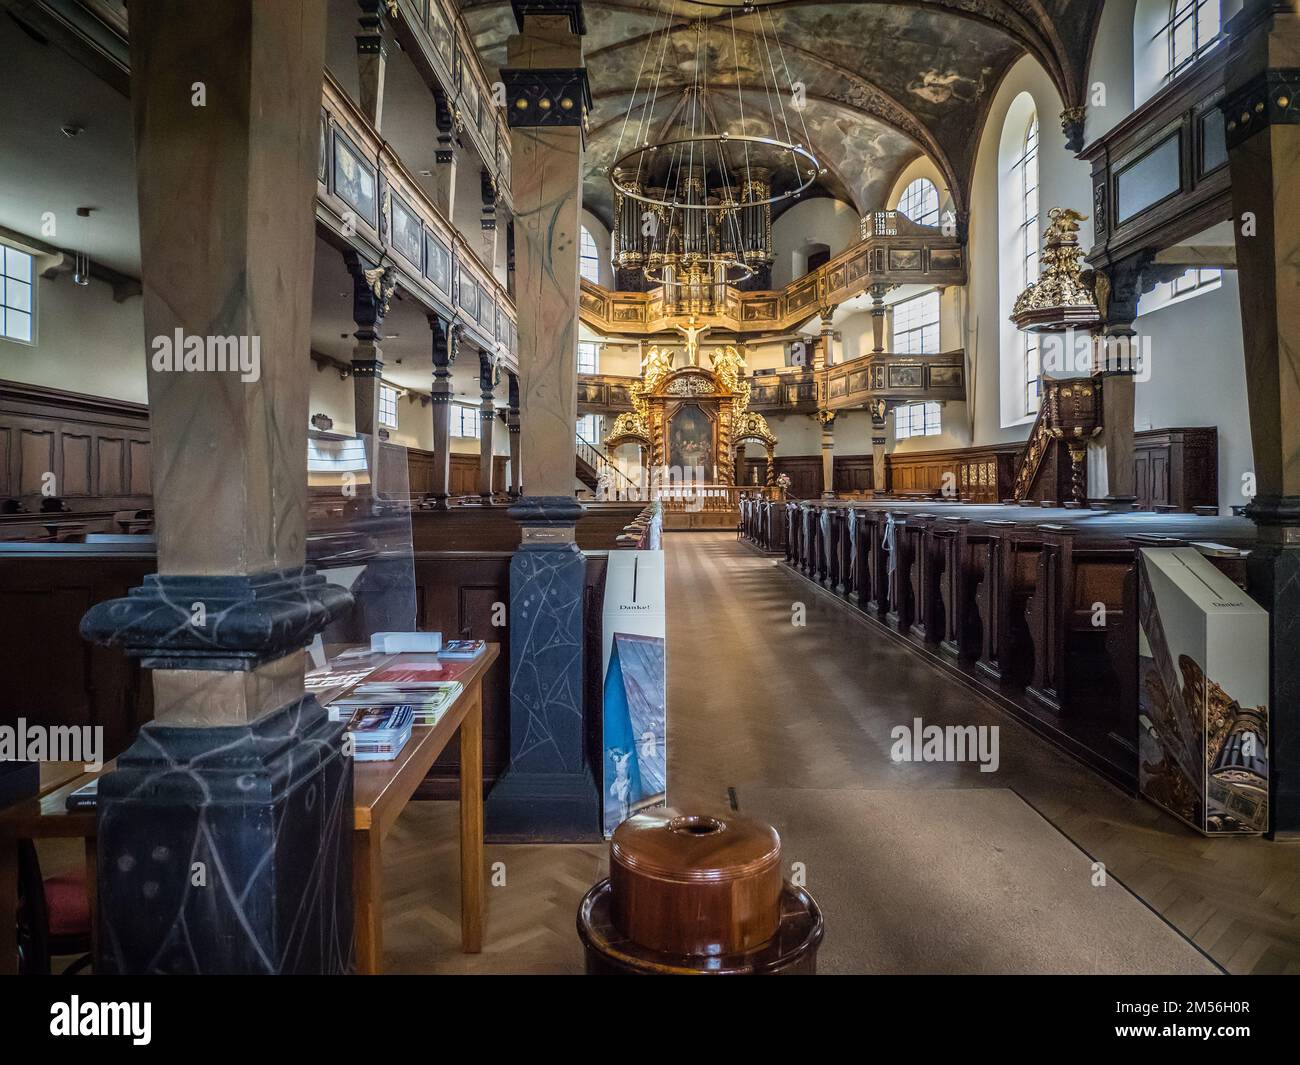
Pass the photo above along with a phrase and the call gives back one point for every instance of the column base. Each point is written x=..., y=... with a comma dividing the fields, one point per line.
x=549, y=792
x=529, y=807
x=229, y=849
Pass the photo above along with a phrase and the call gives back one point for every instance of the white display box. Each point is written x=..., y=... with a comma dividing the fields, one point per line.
x=1202, y=694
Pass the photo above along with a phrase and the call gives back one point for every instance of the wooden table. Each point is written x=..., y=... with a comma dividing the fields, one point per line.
x=380, y=791
x=45, y=816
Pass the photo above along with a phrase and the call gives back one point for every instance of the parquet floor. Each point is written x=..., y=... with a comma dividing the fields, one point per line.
x=758, y=702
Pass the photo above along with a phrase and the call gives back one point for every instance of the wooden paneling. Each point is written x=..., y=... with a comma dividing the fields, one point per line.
x=805, y=473
x=1177, y=468
x=79, y=446
x=53, y=675
x=853, y=473
x=980, y=475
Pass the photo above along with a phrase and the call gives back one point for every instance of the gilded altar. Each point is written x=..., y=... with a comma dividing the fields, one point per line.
x=693, y=421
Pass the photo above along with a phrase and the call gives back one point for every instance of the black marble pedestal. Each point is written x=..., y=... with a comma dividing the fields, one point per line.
x=548, y=793
x=228, y=850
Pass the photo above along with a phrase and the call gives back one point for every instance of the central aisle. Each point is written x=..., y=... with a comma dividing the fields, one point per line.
x=919, y=866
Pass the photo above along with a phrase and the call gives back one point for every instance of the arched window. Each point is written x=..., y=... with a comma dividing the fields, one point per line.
x=1192, y=30
x=1025, y=181
x=588, y=257
x=920, y=202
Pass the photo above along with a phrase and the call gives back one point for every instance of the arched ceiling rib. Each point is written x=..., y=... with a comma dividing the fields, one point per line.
x=885, y=79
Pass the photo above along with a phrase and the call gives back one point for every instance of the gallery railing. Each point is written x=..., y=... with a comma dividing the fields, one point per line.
x=367, y=197
x=893, y=251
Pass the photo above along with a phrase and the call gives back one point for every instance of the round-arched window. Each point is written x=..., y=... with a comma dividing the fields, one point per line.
x=920, y=202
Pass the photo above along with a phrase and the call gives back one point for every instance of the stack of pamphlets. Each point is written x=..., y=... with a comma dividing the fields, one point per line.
x=332, y=678
x=426, y=705
x=413, y=674
x=469, y=649
x=428, y=687
x=379, y=733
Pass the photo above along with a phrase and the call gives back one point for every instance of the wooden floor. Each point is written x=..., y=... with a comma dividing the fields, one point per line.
x=758, y=702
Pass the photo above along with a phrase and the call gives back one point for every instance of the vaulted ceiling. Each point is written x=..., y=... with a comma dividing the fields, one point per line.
x=886, y=80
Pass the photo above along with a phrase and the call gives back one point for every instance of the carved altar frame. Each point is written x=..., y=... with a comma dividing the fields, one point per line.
x=701, y=387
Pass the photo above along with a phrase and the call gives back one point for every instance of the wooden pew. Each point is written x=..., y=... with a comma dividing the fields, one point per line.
x=1034, y=606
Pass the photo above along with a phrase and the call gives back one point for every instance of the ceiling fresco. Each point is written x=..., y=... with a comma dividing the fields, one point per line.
x=885, y=81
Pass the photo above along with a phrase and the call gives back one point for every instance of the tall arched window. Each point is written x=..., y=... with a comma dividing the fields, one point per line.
x=920, y=202
x=588, y=257
x=1192, y=30
x=1025, y=180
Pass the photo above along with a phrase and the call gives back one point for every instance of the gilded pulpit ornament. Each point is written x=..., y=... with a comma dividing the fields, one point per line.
x=1063, y=296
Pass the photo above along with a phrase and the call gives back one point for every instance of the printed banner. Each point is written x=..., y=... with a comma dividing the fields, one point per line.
x=634, y=749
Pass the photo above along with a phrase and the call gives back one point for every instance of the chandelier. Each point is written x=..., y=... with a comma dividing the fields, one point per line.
x=693, y=193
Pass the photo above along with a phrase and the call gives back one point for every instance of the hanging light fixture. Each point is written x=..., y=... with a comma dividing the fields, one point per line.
x=694, y=198
x=81, y=258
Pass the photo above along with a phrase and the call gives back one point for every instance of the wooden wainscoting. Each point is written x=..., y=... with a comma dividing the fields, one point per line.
x=53, y=676
x=980, y=474
x=1177, y=468
x=92, y=453
x=463, y=476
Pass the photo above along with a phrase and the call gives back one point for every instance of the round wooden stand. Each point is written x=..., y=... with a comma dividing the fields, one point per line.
x=697, y=895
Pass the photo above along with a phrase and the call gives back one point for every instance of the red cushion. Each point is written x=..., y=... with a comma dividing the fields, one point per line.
x=68, y=904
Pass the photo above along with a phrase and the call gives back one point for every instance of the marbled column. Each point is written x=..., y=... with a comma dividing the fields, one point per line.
x=828, y=336
x=225, y=830
x=827, y=419
x=372, y=59
x=546, y=163
x=1116, y=379
x=549, y=791
x=445, y=342
x=487, y=419
x=444, y=156
x=372, y=287
x=488, y=220
x=512, y=424
x=879, y=468
x=878, y=312
x=1262, y=122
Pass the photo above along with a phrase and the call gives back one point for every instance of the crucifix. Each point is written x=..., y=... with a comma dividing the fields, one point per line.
x=692, y=333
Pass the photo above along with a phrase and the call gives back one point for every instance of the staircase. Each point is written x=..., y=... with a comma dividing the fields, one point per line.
x=1069, y=414
x=591, y=464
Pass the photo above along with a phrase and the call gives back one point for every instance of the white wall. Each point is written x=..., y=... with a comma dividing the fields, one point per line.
x=810, y=222
x=1198, y=377
x=85, y=342
x=992, y=343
